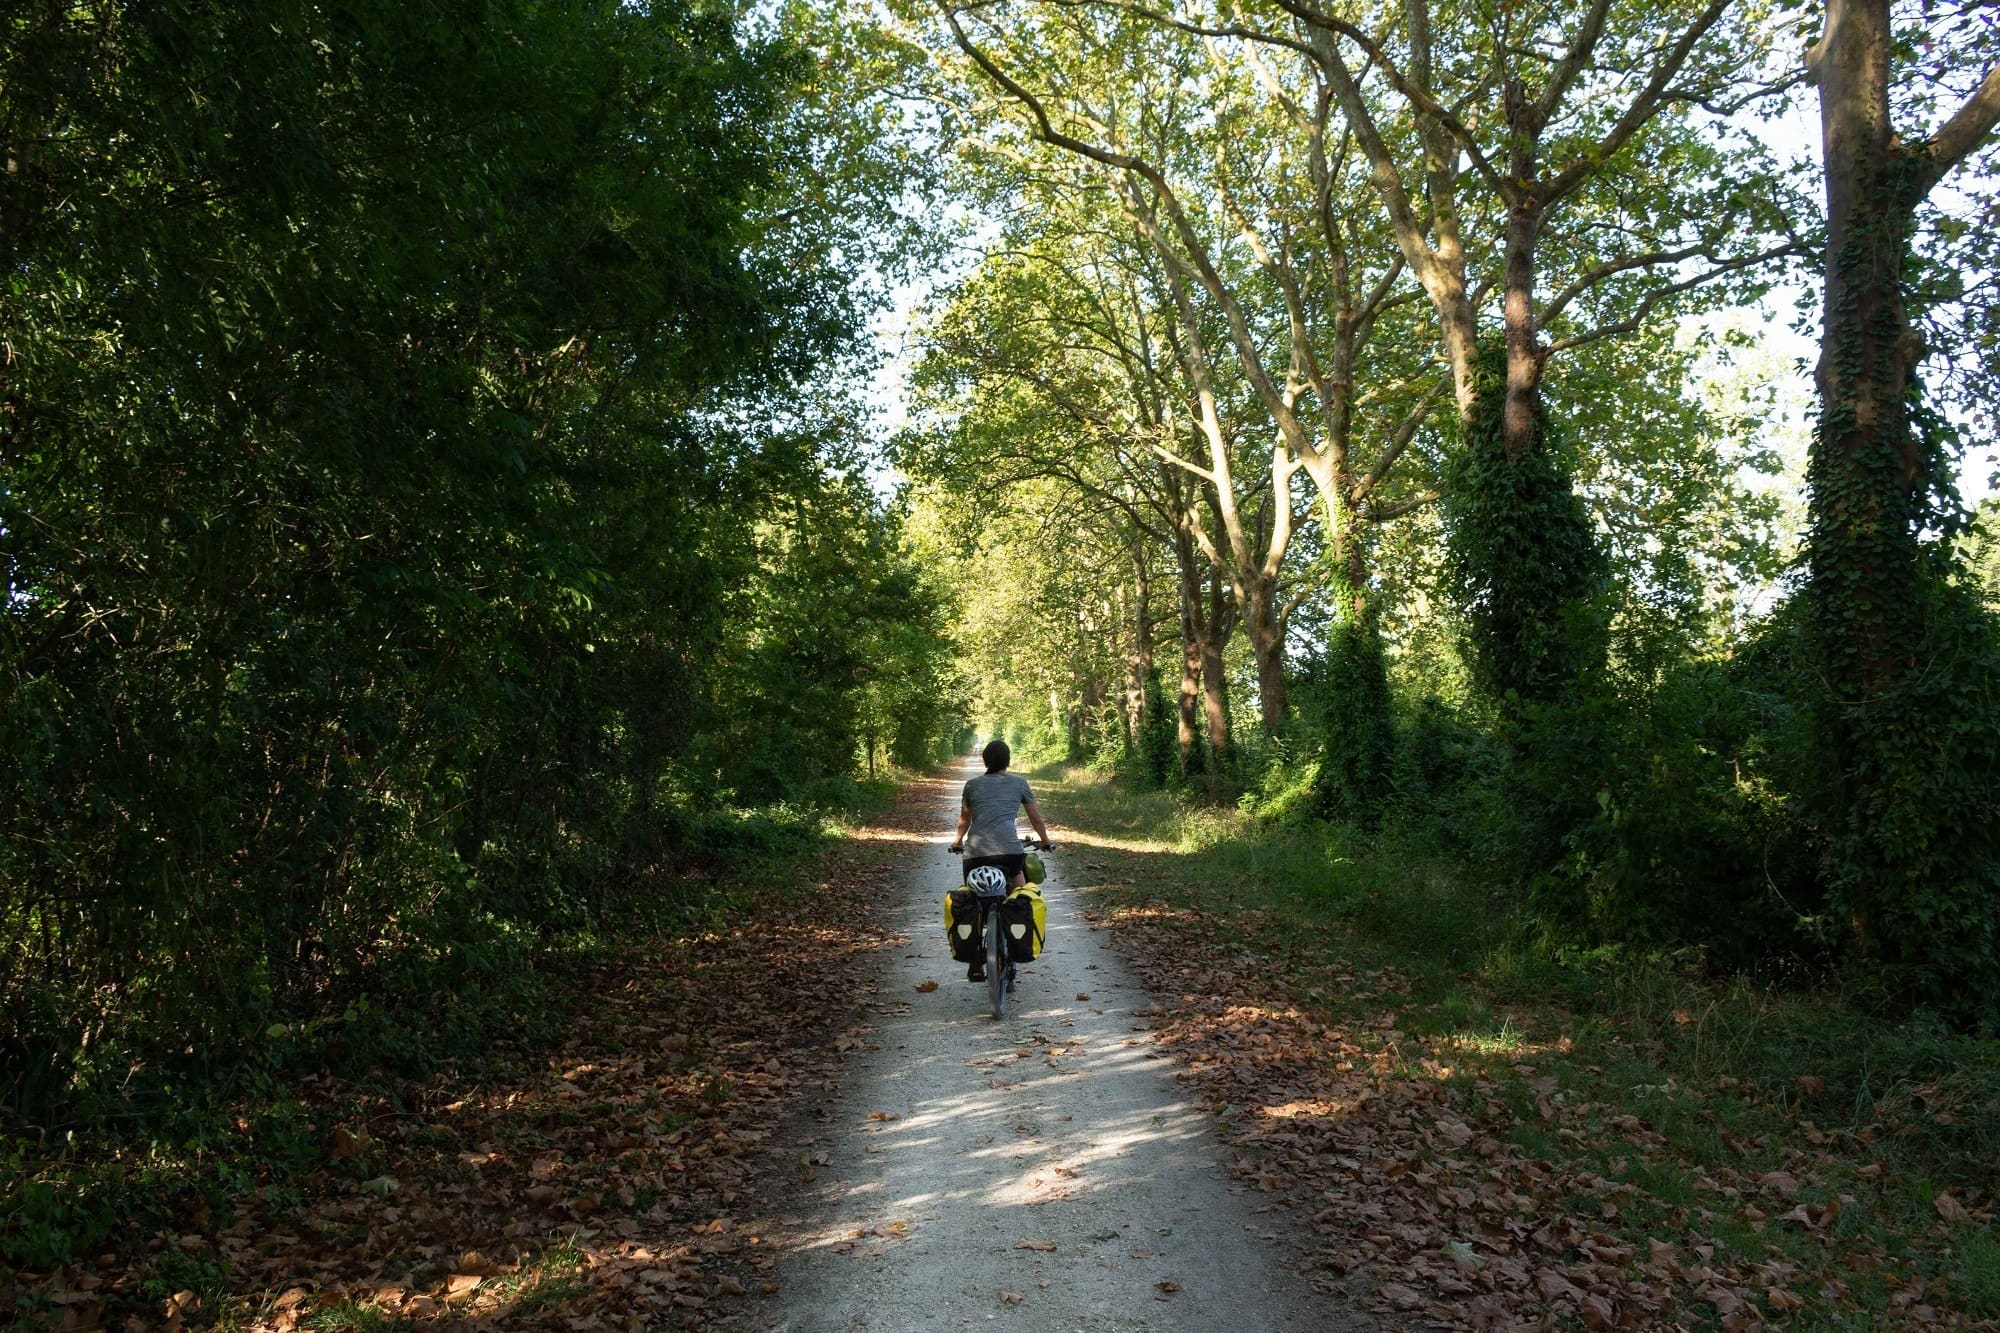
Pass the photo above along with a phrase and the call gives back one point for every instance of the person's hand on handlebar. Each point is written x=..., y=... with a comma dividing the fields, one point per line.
x=957, y=848
x=1047, y=845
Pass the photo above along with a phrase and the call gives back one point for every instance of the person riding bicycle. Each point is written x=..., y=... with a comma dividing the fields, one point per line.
x=986, y=834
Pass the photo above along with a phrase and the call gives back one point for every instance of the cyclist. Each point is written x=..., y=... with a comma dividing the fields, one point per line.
x=986, y=834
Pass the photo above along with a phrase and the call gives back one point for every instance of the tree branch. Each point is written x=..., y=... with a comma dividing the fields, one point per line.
x=1611, y=267
x=1653, y=298
x=1573, y=62
x=1958, y=136
x=1637, y=114
x=1383, y=513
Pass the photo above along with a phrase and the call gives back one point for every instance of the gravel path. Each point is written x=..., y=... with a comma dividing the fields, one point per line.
x=1043, y=1172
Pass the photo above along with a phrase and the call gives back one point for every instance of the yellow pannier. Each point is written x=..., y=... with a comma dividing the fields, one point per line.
x=1025, y=919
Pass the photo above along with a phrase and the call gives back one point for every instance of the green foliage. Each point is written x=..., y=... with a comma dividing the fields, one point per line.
x=834, y=643
x=1902, y=664
x=1695, y=839
x=1525, y=564
x=1156, y=748
x=395, y=394
x=1357, y=725
x=1981, y=552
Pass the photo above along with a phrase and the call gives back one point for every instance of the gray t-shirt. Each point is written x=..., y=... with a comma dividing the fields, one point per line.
x=995, y=798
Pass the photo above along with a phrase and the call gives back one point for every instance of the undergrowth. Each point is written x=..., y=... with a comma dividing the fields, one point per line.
x=130, y=1155
x=1895, y=1112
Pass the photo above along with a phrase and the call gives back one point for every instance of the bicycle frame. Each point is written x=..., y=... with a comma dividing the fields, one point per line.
x=993, y=945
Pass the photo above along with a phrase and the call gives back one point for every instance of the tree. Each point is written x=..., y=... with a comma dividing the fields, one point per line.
x=1296, y=320
x=1052, y=362
x=1910, y=720
x=390, y=391
x=1535, y=122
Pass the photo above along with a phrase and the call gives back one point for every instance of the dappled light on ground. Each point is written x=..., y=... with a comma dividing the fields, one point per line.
x=1509, y=1043
x=1111, y=1152
x=1098, y=841
x=1458, y=1172
x=910, y=837
x=1045, y=1169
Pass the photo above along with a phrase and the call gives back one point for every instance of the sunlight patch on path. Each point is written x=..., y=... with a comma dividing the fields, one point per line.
x=1042, y=1172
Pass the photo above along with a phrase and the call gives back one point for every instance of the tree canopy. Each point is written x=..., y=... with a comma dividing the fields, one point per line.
x=449, y=512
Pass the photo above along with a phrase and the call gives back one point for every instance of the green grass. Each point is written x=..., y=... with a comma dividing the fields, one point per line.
x=551, y=1278
x=349, y=1316
x=1730, y=1074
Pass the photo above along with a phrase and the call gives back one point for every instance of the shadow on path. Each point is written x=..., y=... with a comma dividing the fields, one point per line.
x=1040, y=1172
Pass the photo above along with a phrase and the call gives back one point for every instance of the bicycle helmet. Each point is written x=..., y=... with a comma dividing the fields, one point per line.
x=986, y=880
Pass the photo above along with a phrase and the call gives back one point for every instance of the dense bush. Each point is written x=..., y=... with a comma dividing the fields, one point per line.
x=368, y=520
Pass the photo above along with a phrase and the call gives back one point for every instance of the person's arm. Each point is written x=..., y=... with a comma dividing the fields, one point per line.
x=1035, y=818
x=964, y=823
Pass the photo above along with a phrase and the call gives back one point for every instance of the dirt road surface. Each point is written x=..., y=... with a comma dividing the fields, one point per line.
x=1042, y=1172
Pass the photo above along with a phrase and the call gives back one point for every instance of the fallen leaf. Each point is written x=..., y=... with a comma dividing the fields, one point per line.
x=1169, y=1287
x=926, y=987
x=1083, y=995
x=1043, y=1245
x=1013, y=1297
x=1950, y=1209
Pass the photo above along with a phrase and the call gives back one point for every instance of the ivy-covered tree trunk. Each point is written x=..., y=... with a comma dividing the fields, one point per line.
x=1139, y=655
x=1358, y=732
x=1909, y=719
x=1872, y=483
x=1524, y=556
x=1156, y=736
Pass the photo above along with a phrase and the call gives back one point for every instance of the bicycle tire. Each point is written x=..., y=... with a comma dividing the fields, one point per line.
x=996, y=961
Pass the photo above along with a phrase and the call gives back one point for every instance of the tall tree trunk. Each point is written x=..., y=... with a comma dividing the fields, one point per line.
x=1093, y=706
x=1214, y=695
x=1867, y=477
x=1188, y=703
x=1267, y=646
x=1139, y=657
x=1907, y=664
x=1070, y=719
x=1520, y=417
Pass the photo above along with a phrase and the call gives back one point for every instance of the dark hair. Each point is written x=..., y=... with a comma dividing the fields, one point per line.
x=997, y=756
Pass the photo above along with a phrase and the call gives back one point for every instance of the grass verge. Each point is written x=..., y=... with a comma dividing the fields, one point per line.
x=1802, y=1160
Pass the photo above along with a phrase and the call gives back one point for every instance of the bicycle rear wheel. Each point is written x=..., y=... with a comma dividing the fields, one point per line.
x=996, y=961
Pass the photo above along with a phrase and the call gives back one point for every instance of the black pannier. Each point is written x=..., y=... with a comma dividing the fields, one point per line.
x=961, y=925
x=1023, y=924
